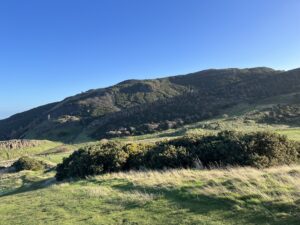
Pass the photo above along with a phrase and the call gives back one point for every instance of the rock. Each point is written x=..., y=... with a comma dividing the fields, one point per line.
x=20, y=143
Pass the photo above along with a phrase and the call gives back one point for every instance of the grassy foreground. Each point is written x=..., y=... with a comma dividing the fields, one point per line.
x=233, y=196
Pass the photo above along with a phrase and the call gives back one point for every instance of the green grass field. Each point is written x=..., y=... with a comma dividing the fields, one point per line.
x=233, y=196
x=293, y=134
x=11, y=154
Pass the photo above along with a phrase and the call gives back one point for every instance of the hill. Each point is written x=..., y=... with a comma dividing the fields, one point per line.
x=137, y=107
x=143, y=113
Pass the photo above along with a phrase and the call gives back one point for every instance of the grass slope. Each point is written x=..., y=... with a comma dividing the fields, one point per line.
x=48, y=151
x=11, y=154
x=214, y=126
x=244, y=117
x=233, y=196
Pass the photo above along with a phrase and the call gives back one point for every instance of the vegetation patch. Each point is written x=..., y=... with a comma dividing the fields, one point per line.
x=26, y=163
x=260, y=149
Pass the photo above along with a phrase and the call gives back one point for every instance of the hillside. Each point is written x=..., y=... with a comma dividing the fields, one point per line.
x=137, y=107
x=146, y=113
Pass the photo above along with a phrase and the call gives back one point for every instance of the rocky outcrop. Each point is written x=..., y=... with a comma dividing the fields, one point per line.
x=17, y=144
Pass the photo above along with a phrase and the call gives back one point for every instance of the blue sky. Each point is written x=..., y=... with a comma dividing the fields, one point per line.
x=52, y=49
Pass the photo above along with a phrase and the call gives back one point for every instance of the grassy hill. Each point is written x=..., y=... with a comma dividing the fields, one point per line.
x=137, y=107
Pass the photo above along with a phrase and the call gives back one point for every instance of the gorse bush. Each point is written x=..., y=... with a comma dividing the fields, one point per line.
x=136, y=155
x=267, y=149
x=26, y=163
x=261, y=149
x=166, y=155
x=224, y=149
x=95, y=159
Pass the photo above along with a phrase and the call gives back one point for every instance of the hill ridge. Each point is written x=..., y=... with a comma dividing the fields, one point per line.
x=140, y=106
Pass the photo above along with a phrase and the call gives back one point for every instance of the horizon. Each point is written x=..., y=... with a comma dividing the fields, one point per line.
x=46, y=58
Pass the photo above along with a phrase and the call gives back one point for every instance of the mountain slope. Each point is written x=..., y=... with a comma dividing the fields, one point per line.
x=136, y=107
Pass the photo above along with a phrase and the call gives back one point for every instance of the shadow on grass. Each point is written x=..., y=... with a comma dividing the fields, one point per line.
x=245, y=209
x=29, y=186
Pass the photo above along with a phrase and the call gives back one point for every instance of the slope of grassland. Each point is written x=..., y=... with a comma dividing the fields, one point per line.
x=48, y=151
x=216, y=125
x=293, y=134
x=232, y=196
x=244, y=117
x=14, y=153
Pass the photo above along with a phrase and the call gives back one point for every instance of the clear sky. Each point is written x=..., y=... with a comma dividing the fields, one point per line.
x=51, y=49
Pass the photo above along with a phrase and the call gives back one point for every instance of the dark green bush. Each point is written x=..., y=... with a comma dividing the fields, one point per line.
x=95, y=159
x=165, y=155
x=227, y=148
x=268, y=149
x=26, y=163
x=261, y=149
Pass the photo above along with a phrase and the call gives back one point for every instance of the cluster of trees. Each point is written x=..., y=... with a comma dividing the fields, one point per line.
x=224, y=149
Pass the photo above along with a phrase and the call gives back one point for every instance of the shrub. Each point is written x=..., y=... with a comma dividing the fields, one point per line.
x=93, y=160
x=225, y=148
x=259, y=149
x=26, y=163
x=165, y=155
x=268, y=149
x=136, y=155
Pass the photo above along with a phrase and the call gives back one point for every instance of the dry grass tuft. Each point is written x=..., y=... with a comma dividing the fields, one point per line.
x=278, y=183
